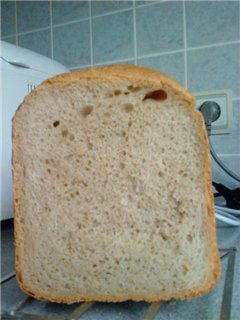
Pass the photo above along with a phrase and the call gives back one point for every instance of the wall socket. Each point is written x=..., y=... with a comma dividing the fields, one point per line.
x=224, y=98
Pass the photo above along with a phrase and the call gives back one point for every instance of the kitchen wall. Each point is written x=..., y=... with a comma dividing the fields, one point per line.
x=196, y=42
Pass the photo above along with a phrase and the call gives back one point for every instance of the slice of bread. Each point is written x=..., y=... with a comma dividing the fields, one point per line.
x=112, y=189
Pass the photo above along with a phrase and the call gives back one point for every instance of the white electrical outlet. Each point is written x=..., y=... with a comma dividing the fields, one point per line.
x=224, y=99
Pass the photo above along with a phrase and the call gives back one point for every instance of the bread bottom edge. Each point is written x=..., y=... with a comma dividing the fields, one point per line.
x=185, y=295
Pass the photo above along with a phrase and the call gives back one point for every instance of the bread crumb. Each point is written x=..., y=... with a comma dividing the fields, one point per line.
x=186, y=267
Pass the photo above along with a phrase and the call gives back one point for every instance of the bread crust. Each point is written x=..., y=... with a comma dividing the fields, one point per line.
x=142, y=76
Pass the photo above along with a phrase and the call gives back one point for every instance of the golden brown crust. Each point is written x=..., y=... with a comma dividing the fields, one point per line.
x=101, y=298
x=140, y=75
x=211, y=224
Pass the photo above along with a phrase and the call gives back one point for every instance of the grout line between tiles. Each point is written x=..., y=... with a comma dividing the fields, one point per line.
x=148, y=4
x=51, y=27
x=70, y=22
x=219, y=44
x=90, y=31
x=151, y=55
x=100, y=63
x=113, y=61
x=134, y=32
x=32, y=31
x=155, y=2
x=185, y=44
x=239, y=18
x=9, y=36
x=16, y=21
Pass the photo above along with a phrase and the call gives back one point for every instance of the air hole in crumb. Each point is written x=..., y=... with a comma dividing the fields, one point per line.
x=117, y=261
x=107, y=114
x=123, y=133
x=64, y=133
x=185, y=267
x=67, y=286
x=87, y=110
x=164, y=236
x=124, y=152
x=79, y=225
x=48, y=170
x=128, y=107
x=189, y=237
x=47, y=161
x=158, y=95
x=134, y=89
x=56, y=123
x=90, y=146
x=129, y=123
x=65, y=184
x=122, y=165
x=160, y=174
x=94, y=265
x=117, y=92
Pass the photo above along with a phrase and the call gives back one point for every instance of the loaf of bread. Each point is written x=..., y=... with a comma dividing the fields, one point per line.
x=112, y=189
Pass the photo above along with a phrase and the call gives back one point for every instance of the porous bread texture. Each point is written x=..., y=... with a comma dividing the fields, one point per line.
x=112, y=189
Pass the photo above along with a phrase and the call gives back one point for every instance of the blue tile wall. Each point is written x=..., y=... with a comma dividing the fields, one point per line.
x=32, y=15
x=212, y=22
x=102, y=7
x=215, y=68
x=8, y=23
x=11, y=39
x=229, y=143
x=120, y=61
x=117, y=42
x=140, y=3
x=159, y=27
x=196, y=42
x=65, y=11
x=71, y=44
x=38, y=41
x=172, y=64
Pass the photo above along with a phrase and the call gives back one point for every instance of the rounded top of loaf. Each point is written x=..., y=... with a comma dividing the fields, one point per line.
x=124, y=72
x=139, y=75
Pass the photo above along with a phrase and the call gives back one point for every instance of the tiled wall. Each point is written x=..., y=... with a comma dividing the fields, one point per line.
x=196, y=42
